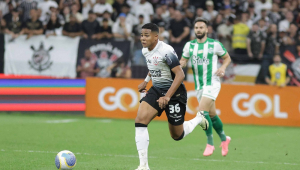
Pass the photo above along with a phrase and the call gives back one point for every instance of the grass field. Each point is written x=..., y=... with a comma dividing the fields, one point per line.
x=31, y=142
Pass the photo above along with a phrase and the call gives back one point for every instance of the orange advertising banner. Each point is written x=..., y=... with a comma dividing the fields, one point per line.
x=236, y=104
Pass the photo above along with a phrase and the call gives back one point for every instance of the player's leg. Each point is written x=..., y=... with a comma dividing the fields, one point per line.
x=177, y=126
x=218, y=126
x=145, y=114
x=204, y=106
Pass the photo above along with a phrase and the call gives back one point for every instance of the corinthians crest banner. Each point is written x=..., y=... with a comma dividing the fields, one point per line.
x=53, y=56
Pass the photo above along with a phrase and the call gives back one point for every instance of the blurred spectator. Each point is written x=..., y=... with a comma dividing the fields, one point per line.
x=293, y=34
x=87, y=5
x=117, y=5
x=78, y=15
x=217, y=21
x=72, y=29
x=88, y=66
x=4, y=7
x=157, y=16
x=239, y=37
x=60, y=18
x=8, y=16
x=130, y=18
x=188, y=10
x=224, y=34
x=277, y=75
x=26, y=6
x=263, y=15
x=68, y=4
x=272, y=47
x=256, y=43
x=163, y=34
x=246, y=19
x=44, y=8
x=263, y=26
x=274, y=14
x=171, y=10
x=138, y=58
x=107, y=16
x=66, y=14
x=33, y=26
x=285, y=24
x=90, y=27
x=15, y=26
x=143, y=8
x=121, y=30
x=2, y=25
x=105, y=30
x=179, y=32
x=211, y=33
x=165, y=12
x=228, y=12
x=262, y=4
x=199, y=13
x=251, y=11
x=209, y=14
x=120, y=70
x=53, y=26
x=100, y=7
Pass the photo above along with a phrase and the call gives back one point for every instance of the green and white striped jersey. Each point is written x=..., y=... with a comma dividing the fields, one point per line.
x=204, y=60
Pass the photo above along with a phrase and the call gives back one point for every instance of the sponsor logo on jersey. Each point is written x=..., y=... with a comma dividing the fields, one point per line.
x=155, y=60
x=155, y=73
x=210, y=50
x=211, y=43
x=200, y=61
x=148, y=61
x=200, y=51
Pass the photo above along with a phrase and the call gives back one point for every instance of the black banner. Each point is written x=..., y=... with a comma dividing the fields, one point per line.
x=106, y=52
x=2, y=44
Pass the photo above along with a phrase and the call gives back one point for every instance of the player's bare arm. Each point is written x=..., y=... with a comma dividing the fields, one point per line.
x=179, y=76
x=226, y=61
x=183, y=62
x=143, y=85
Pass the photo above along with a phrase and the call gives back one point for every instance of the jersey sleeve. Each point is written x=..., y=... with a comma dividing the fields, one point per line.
x=171, y=58
x=220, y=50
x=186, y=52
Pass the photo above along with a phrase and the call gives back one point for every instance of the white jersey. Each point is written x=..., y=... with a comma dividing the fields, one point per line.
x=204, y=59
x=160, y=61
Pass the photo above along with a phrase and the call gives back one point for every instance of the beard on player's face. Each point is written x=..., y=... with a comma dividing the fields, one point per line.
x=200, y=35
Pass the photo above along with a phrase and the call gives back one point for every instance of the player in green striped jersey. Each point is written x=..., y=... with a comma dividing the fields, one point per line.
x=203, y=53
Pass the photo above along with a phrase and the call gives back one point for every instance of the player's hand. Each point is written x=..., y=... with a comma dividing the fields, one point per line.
x=142, y=87
x=260, y=56
x=163, y=101
x=250, y=54
x=220, y=72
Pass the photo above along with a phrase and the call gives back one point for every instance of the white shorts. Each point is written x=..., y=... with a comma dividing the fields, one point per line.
x=211, y=92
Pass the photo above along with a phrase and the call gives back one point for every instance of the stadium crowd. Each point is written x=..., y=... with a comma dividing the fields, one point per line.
x=253, y=31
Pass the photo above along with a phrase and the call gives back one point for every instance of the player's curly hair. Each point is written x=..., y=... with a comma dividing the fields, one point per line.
x=151, y=26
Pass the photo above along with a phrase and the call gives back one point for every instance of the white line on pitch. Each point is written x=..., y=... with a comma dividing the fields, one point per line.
x=61, y=121
x=154, y=157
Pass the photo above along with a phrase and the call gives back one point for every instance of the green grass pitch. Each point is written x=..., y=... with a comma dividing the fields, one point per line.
x=31, y=142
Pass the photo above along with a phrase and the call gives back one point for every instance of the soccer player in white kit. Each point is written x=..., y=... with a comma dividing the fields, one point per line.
x=167, y=93
x=203, y=53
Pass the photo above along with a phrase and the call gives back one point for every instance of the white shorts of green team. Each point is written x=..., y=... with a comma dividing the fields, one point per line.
x=211, y=92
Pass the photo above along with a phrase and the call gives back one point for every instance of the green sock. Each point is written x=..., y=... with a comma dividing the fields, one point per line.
x=218, y=126
x=209, y=130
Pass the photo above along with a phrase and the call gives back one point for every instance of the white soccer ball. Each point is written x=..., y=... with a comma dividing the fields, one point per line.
x=65, y=160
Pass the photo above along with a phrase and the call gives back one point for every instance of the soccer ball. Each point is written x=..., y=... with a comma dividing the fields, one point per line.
x=65, y=160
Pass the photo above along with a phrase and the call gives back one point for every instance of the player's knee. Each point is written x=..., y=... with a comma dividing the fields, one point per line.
x=141, y=119
x=177, y=137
